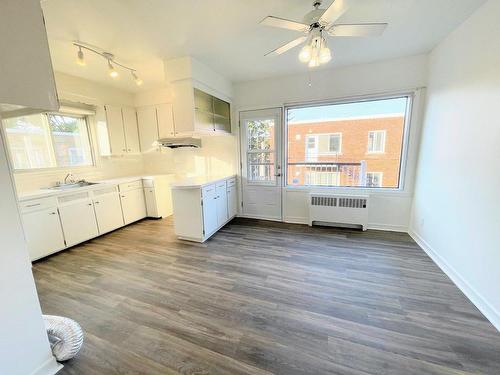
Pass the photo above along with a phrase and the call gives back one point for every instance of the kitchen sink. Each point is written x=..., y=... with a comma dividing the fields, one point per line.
x=72, y=185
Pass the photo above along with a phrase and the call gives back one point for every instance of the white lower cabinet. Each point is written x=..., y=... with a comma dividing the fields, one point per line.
x=201, y=210
x=133, y=205
x=43, y=232
x=210, y=217
x=108, y=212
x=221, y=200
x=232, y=201
x=78, y=222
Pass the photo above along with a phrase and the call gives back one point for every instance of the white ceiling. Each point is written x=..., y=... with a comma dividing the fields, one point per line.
x=225, y=34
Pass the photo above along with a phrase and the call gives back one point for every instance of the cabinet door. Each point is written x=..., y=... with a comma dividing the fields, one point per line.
x=165, y=120
x=78, y=222
x=222, y=116
x=108, y=212
x=148, y=128
x=221, y=196
x=151, y=203
x=43, y=232
x=210, y=223
x=133, y=205
x=116, y=133
x=232, y=202
x=131, y=132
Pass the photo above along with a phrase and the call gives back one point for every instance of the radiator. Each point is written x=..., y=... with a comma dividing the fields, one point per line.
x=338, y=209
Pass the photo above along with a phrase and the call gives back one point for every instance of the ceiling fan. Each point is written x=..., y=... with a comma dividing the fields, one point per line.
x=315, y=24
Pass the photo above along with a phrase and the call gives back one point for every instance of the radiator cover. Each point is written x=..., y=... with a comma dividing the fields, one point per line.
x=338, y=209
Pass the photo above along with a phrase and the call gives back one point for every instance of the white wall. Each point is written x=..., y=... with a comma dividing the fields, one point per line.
x=456, y=215
x=389, y=210
x=24, y=347
x=76, y=89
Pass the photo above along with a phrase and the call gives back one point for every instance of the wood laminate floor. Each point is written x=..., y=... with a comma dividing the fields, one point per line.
x=264, y=298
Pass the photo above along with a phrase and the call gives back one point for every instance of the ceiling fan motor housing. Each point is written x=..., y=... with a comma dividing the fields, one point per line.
x=312, y=18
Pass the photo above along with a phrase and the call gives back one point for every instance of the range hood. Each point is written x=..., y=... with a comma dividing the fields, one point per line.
x=178, y=142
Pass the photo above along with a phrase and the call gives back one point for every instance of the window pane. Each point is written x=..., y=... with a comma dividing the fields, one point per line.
x=261, y=135
x=348, y=144
x=71, y=140
x=260, y=166
x=29, y=142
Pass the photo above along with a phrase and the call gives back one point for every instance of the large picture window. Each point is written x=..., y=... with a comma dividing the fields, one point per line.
x=327, y=144
x=48, y=141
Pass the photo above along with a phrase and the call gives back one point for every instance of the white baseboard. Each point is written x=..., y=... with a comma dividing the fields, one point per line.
x=471, y=293
x=388, y=227
x=49, y=367
x=296, y=220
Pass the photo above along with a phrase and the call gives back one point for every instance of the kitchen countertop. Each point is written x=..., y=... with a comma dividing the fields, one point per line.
x=42, y=193
x=198, y=182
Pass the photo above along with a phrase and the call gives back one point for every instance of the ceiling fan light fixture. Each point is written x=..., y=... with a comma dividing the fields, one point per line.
x=305, y=54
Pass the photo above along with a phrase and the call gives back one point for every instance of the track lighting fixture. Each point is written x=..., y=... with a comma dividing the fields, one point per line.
x=111, y=62
x=80, y=60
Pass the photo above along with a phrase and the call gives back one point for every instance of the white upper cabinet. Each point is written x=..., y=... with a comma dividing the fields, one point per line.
x=148, y=128
x=122, y=130
x=27, y=75
x=130, y=129
x=155, y=121
x=165, y=115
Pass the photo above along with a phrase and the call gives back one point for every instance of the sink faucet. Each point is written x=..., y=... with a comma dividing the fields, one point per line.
x=69, y=177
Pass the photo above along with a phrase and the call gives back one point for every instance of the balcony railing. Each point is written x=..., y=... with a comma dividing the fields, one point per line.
x=327, y=173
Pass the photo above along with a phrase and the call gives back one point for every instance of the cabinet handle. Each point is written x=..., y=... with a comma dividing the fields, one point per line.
x=123, y=196
x=90, y=204
x=52, y=213
x=124, y=149
x=97, y=202
x=33, y=205
x=129, y=149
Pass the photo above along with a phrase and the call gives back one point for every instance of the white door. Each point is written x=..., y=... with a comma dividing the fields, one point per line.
x=131, y=131
x=231, y=201
x=133, y=205
x=261, y=163
x=43, y=232
x=209, y=210
x=221, y=197
x=78, y=222
x=148, y=128
x=108, y=212
x=114, y=120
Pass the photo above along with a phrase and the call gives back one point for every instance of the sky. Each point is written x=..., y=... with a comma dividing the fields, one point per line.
x=334, y=111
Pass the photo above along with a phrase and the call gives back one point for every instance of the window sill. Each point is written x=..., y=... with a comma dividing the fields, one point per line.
x=54, y=170
x=351, y=190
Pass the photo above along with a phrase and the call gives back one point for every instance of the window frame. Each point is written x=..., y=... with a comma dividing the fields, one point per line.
x=368, y=152
x=88, y=120
x=405, y=141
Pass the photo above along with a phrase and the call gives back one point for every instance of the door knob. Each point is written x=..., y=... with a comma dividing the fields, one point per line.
x=277, y=175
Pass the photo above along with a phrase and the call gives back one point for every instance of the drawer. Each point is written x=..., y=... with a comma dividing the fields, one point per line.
x=208, y=190
x=130, y=185
x=231, y=182
x=148, y=183
x=106, y=190
x=37, y=204
x=221, y=185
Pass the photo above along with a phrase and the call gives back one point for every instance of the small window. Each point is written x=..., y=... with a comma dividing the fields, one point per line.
x=48, y=141
x=334, y=143
x=376, y=141
x=374, y=179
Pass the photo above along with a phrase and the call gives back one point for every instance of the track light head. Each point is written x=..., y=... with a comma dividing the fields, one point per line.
x=138, y=81
x=112, y=71
x=80, y=59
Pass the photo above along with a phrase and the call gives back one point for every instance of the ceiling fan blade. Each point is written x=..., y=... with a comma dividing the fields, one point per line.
x=360, y=29
x=333, y=12
x=286, y=47
x=284, y=23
